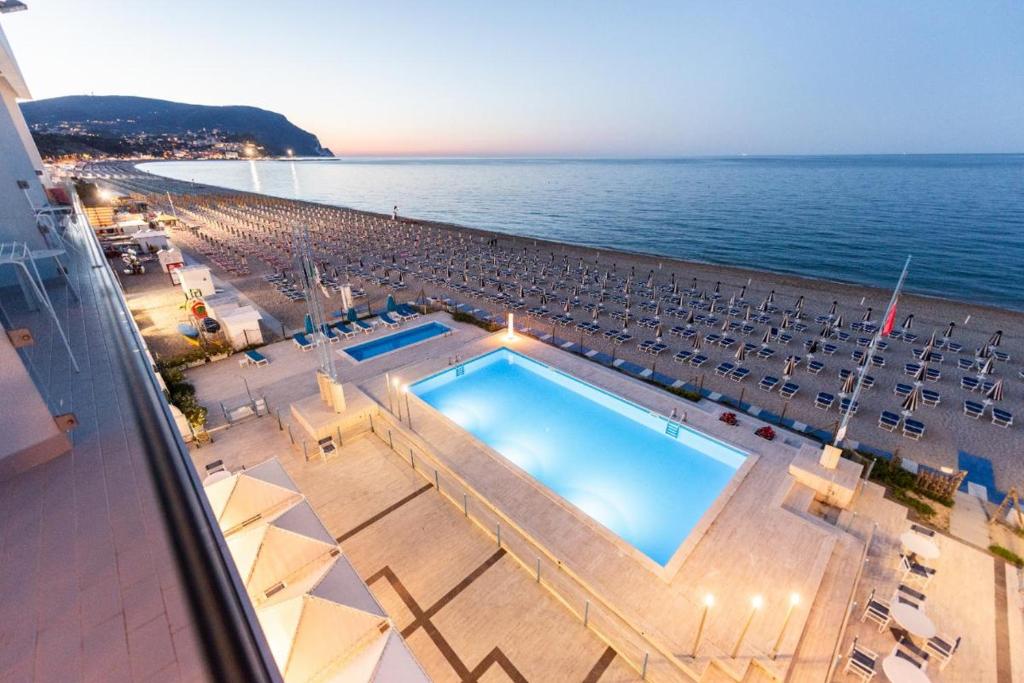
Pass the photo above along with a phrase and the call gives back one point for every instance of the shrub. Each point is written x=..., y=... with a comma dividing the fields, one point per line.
x=904, y=498
x=460, y=317
x=1007, y=554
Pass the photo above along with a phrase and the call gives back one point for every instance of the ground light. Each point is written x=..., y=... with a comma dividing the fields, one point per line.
x=510, y=335
x=794, y=600
x=755, y=604
x=709, y=602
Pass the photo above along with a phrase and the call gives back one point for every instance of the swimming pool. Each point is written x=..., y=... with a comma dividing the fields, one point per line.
x=393, y=342
x=645, y=478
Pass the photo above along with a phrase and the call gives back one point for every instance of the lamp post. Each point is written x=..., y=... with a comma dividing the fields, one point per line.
x=794, y=600
x=709, y=601
x=755, y=605
x=511, y=333
x=408, y=413
x=397, y=385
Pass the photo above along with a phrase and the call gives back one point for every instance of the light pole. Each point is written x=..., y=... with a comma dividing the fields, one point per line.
x=794, y=600
x=408, y=413
x=709, y=601
x=755, y=605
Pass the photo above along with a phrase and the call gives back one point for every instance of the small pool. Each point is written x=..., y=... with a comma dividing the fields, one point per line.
x=398, y=340
x=645, y=478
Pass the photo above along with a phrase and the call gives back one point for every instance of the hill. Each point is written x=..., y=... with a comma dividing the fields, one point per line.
x=123, y=117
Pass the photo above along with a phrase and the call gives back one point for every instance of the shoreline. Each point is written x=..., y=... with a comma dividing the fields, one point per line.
x=789, y=279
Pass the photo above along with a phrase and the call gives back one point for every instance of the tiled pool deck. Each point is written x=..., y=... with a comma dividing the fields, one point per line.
x=416, y=548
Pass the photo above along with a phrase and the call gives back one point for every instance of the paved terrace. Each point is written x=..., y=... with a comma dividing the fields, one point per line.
x=88, y=585
x=388, y=516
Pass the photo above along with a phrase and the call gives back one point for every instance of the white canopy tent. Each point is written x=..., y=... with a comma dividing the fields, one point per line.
x=362, y=643
x=249, y=495
x=280, y=548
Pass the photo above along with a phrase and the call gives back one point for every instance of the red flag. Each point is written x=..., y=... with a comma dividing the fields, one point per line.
x=890, y=321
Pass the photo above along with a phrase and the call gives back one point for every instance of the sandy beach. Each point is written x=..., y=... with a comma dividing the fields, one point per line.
x=949, y=431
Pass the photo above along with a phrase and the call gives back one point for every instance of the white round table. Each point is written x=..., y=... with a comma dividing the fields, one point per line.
x=914, y=620
x=899, y=670
x=215, y=477
x=920, y=545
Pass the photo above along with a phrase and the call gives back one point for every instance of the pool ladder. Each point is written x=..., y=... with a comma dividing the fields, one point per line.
x=460, y=371
x=672, y=429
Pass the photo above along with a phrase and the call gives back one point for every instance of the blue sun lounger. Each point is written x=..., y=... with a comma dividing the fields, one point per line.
x=387, y=320
x=362, y=325
x=889, y=421
x=302, y=341
x=255, y=358
x=344, y=330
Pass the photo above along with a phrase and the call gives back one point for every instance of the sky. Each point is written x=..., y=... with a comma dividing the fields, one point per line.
x=591, y=78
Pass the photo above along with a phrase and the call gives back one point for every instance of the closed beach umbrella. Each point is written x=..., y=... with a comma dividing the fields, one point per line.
x=689, y=318
x=813, y=348
x=996, y=392
x=712, y=308
x=352, y=315
x=785, y=324
x=996, y=338
x=718, y=287
x=732, y=301
x=741, y=352
x=867, y=315
x=800, y=303
x=771, y=297
x=390, y=304
x=832, y=310
x=308, y=323
x=767, y=337
x=693, y=284
x=908, y=322
x=983, y=352
x=986, y=369
x=790, y=367
x=657, y=334
x=848, y=384
x=949, y=331
x=912, y=401
x=826, y=331
x=698, y=342
x=725, y=325
x=838, y=323
x=597, y=312
x=743, y=292
x=746, y=314
x=920, y=373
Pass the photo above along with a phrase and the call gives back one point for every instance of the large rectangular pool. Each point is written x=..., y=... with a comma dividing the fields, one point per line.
x=645, y=478
x=393, y=342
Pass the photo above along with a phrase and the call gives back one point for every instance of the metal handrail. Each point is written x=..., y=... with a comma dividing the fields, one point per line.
x=233, y=642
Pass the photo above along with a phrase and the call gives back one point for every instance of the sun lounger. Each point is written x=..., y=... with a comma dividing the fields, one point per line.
x=768, y=383
x=253, y=358
x=847, y=405
x=930, y=397
x=911, y=369
x=824, y=400
x=969, y=383
x=344, y=330
x=739, y=374
x=913, y=429
x=724, y=369
x=933, y=374
x=407, y=311
x=1001, y=418
x=698, y=360
x=815, y=366
x=302, y=341
x=888, y=421
x=829, y=349
x=765, y=353
x=366, y=327
x=965, y=364
x=902, y=390
x=329, y=334
x=387, y=320
x=789, y=390
x=683, y=357
x=974, y=409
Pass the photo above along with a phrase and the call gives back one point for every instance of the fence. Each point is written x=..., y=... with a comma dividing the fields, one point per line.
x=653, y=660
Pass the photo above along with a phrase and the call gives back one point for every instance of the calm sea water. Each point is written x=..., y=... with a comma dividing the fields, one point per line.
x=843, y=218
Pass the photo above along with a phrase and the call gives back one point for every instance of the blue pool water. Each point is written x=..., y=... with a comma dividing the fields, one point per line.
x=398, y=340
x=610, y=458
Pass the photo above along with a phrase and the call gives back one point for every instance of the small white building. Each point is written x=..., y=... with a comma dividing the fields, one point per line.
x=170, y=259
x=196, y=281
x=241, y=326
x=130, y=227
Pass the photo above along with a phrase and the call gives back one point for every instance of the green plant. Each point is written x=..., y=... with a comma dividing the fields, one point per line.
x=1007, y=554
x=920, y=507
x=182, y=395
x=460, y=317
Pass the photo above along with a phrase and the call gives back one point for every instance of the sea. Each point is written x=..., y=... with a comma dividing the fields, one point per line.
x=845, y=218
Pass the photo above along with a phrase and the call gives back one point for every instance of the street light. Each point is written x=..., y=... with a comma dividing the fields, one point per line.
x=511, y=334
x=755, y=604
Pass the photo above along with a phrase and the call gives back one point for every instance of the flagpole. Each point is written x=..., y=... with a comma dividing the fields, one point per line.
x=889, y=311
